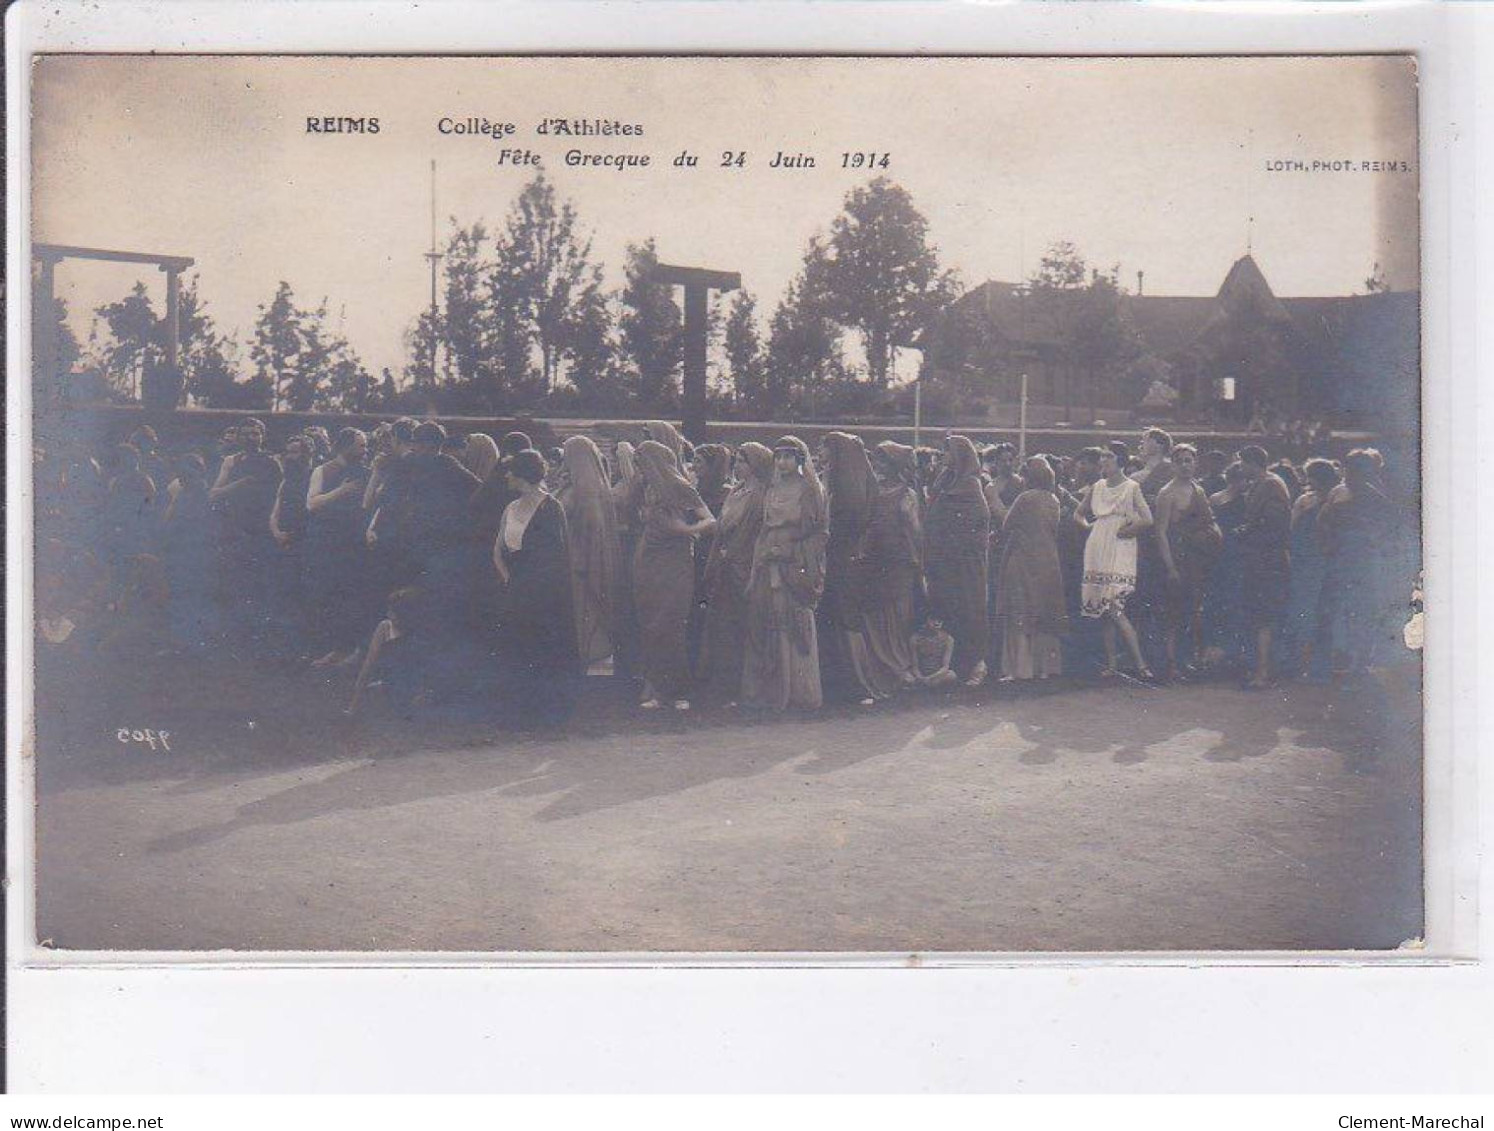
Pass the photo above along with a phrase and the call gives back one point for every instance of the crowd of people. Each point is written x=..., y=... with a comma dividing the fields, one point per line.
x=440, y=570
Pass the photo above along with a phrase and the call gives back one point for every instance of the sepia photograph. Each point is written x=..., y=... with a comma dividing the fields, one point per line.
x=727, y=505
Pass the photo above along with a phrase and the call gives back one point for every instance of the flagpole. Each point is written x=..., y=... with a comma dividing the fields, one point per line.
x=917, y=410
x=434, y=257
x=1022, y=423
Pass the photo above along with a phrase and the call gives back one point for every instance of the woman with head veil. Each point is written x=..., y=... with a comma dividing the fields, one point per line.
x=480, y=455
x=1222, y=616
x=894, y=555
x=663, y=432
x=957, y=533
x=850, y=664
x=627, y=504
x=1359, y=528
x=1030, y=608
x=710, y=470
x=490, y=500
x=1305, y=645
x=591, y=521
x=671, y=515
x=341, y=580
x=485, y=514
x=728, y=568
x=781, y=663
x=713, y=465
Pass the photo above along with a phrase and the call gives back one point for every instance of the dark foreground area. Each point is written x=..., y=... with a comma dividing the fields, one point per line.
x=1066, y=818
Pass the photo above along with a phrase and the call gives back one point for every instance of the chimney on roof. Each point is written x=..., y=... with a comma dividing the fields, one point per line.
x=1140, y=283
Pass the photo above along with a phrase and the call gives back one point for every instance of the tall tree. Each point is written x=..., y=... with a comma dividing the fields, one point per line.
x=542, y=251
x=348, y=386
x=208, y=358
x=1053, y=299
x=745, y=360
x=519, y=381
x=652, y=331
x=1080, y=310
x=307, y=363
x=879, y=274
x=321, y=349
x=66, y=348
x=137, y=343
x=804, y=351
x=277, y=344
x=420, y=341
x=134, y=331
x=1101, y=337
x=467, y=325
x=1062, y=268
x=589, y=344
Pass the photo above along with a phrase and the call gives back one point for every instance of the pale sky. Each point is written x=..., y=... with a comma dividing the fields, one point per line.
x=1153, y=164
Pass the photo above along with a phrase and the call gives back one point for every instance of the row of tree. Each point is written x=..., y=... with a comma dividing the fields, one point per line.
x=296, y=359
x=526, y=322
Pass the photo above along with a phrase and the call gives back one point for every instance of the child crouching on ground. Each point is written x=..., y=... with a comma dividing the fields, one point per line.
x=933, y=649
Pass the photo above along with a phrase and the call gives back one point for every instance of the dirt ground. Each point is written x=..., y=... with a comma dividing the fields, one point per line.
x=1086, y=818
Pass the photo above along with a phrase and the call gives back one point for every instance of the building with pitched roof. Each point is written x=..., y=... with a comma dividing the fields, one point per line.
x=1240, y=353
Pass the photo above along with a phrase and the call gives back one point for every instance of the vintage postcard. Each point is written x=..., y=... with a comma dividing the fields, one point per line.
x=776, y=505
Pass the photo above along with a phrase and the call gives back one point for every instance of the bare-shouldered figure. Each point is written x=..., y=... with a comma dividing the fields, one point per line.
x=1188, y=540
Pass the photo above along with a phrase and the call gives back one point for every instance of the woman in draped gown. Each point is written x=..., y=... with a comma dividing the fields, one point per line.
x=538, y=627
x=894, y=554
x=710, y=468
x=671, y=516
x=852, y=491
x=1265, y=551
x=591, y=520
x=627, y=504
x=1306, y=643
x=728, y=568
x=340, y=576
x=781, y=663
x=1223, y=616
x=1362, y=529
x=956, y=541
x=1030, y=608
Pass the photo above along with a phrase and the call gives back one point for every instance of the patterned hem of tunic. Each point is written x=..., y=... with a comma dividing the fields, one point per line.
x=1114, y=589
x=1111, y=604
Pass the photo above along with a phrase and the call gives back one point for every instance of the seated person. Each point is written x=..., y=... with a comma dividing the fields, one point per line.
x=393, y=661
x=933, y=649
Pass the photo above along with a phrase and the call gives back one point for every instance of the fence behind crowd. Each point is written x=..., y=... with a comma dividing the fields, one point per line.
x=95, y=425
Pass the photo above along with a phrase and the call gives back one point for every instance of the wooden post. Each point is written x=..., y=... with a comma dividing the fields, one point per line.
x=49, y=254
x=46, y=327
x=693, y=416
x=173, y=317
x=698, y=282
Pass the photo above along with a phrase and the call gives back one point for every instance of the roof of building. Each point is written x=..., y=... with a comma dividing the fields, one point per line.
x=1169, y=324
